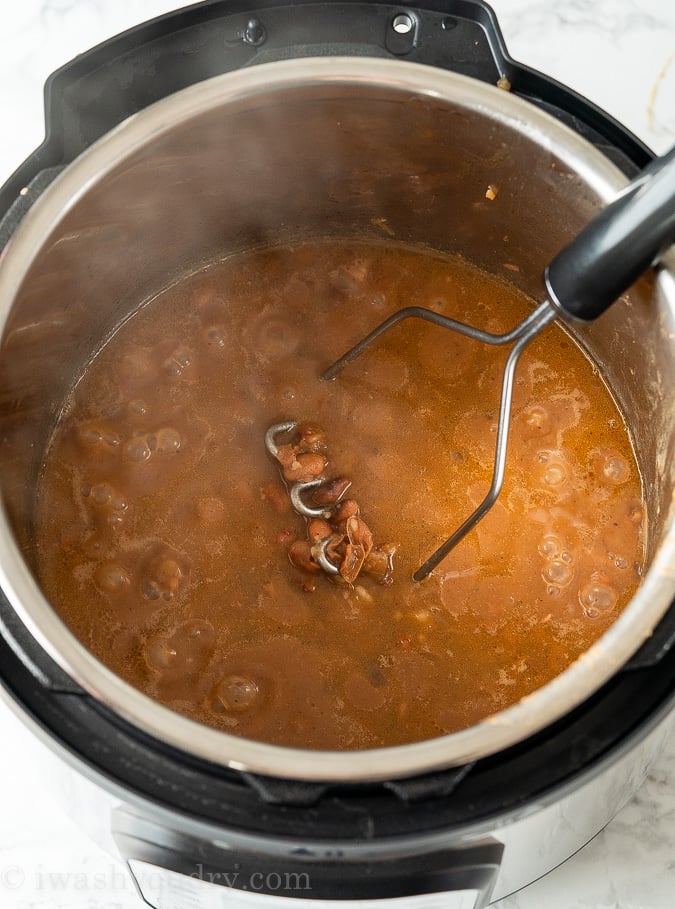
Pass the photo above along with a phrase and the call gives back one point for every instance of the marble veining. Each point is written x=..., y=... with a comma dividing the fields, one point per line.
x=620, y=54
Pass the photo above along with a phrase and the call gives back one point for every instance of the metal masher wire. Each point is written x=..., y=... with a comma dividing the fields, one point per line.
x=520, y=337
x=582, y=281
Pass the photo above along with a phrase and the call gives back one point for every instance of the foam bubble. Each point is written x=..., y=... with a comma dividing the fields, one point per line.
x=165, y=579
x=597, y=598
x=550, y=546
x=616, y=469
x=111, y=577
x=177, y=362
x=558, y=572
x=554, y=475
x=138, y=407
x=168, y=439
x=215, y=336
x=137, y=449
x=118, y=502
x=97, y=437
x=537, y=420
x=160, y=654
x=101, y=493
x=236, y=693
x=274, y=338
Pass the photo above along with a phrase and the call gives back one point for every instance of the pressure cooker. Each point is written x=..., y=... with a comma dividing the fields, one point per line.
x=228, y=123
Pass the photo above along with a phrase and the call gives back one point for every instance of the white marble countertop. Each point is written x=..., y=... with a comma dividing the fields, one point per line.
x=620, y=54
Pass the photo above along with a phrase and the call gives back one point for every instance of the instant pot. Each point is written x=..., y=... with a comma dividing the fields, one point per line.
x=341, y=117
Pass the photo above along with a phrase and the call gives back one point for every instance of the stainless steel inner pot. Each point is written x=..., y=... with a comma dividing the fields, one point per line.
x=330, y=147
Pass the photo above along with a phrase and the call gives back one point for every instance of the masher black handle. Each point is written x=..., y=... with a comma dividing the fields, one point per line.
x=618, y=245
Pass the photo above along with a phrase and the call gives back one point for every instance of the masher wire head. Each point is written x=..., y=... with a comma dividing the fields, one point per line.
x=519, y=337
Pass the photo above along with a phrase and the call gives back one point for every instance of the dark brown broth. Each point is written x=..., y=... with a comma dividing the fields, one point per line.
x=163, y=536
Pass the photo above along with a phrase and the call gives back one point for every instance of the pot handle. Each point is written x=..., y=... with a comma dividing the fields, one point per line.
x=618, y=245
x=174, y=868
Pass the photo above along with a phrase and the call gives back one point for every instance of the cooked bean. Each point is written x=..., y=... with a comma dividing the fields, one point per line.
x=286, y=454
x=300, y=555
x=330, y=492
x=359, y=533
x=305, y=467
x=347, y=509
x=379, y=564
x=353, y=560
x=318, y=530
x=311, y=439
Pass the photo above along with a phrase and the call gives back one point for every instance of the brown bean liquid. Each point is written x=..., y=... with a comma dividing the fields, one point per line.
x=164, y=525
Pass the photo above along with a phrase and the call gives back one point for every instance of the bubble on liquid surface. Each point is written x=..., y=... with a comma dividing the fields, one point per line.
x=636, y=514
x=597, y=598
x=550, y=546
x=163, y=573
x=558, y=572
x=177, y=362
x=554, y=475
x=236, y=694
x=160, y=654
x=216, y=337
x=137, y=450
x=101, y=493
x=537, y=420
x=111, y=577
x=194, y=642
x=89, y=435
x=275, y=338
x=137, y=407
x=165, y=580
x=150, y=589
x=616, y=469
x=186, y=651
x=168, y=440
